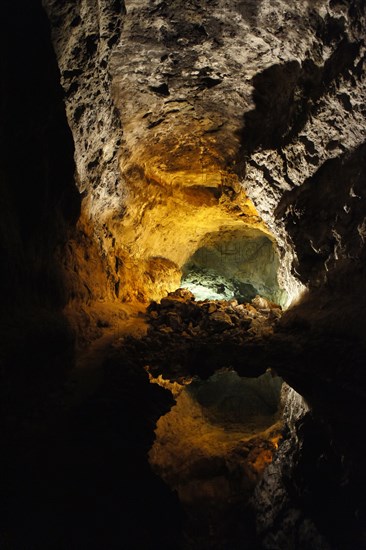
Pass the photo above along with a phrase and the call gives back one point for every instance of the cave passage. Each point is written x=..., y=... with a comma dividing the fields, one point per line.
x=234, y=264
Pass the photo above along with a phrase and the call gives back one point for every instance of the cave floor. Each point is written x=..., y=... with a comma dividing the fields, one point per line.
x=180, y=327
x=87, y=375
x=103, y=456
x=75, y=464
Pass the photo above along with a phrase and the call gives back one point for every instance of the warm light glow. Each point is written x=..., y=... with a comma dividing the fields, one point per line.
x=216, y=426
x=169, y=215
x=262, y=460
x=276, y=440
x=174, y=387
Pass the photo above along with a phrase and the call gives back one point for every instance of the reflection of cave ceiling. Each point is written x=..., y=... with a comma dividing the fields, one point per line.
x=225, y=417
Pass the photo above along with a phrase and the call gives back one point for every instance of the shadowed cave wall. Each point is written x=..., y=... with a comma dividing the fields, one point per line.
x=272, y=97
x=60, y=486
x=39, y=200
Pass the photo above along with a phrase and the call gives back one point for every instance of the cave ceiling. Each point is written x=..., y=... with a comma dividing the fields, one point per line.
x=198, y=117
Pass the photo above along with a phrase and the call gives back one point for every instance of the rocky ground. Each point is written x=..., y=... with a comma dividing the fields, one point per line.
x=314, y=478
x=188, y=337
x=214, y=445
x=82, y=453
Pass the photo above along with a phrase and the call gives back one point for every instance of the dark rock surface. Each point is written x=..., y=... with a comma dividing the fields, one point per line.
x=311, y=496
x=83, y=38
x=78, y=476
x=39, y=208
x=72, y=476
x=40, y=203
x=206, y=335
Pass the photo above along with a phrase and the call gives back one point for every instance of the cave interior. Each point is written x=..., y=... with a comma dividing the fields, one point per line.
x=182, y=233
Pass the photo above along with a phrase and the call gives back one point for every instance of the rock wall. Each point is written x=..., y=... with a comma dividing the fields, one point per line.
x=264, y=94
x=235, y=116
x=224, y=109
x=308, y=107
x=83, y=35
x=319, y=348
x=246, y=261
x=311, y=495
x=244, y=116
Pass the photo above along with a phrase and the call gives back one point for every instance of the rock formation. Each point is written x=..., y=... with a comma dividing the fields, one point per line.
x=223, y=111
x=203, y=142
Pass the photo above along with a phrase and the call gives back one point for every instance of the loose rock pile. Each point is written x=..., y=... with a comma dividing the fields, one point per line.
x=179, y=313
x=188, y=337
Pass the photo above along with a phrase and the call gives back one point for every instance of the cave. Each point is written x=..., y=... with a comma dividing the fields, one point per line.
x=236, y=265
x=182, y=232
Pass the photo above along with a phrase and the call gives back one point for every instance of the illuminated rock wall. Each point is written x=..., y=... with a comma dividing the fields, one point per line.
x=257, y=95
x=244, y=260
x=224, y=108
x=83, y=36
x=234, y=118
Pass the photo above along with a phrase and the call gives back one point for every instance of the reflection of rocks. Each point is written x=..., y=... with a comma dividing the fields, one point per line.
x=188, y=337
x=229, y=399
x=214, y=444
x=284, y=519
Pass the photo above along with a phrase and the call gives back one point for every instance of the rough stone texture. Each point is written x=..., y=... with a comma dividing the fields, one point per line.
x=273, y=503
x=67, y=473
x=205, y=336
x=263, y=94
x=84, y=34
x=212, y=448
x=241, y=263
x=330, y=241
x=305, y=499
x=218, y=103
